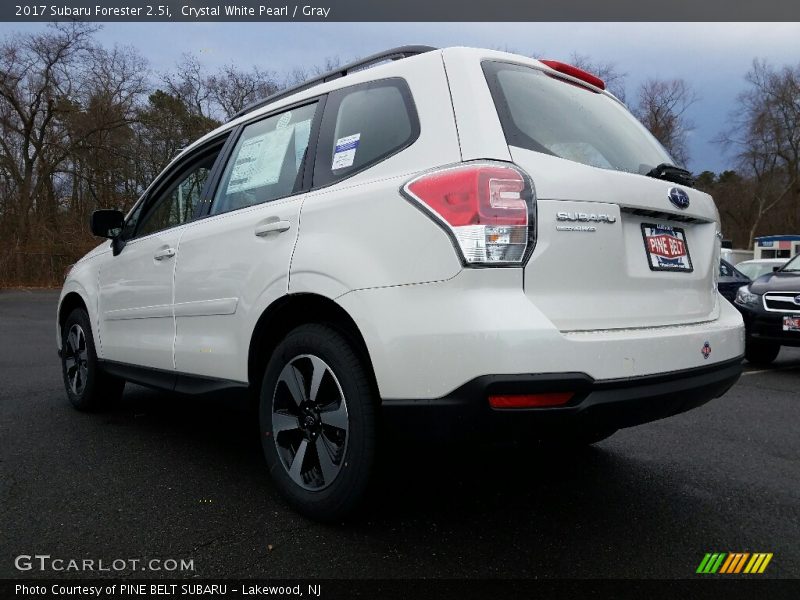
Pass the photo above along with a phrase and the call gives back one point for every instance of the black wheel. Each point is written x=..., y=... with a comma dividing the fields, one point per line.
x=88, y=387
x=317, y=416
x=761, y=353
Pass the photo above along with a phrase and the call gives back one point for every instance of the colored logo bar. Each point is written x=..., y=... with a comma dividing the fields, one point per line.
x=734, y=562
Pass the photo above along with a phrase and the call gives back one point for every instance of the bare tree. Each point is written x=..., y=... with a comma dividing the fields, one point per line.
x=300, y=74
x=99, y=160
x=661, y=106
x=65, y=105
x=40, y=79
x=765, y=135
x=164, y=126
x=607, y=71
x=189, y=83
x=232, y=89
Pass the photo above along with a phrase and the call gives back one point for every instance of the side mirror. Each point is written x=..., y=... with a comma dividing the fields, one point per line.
x=774, y=269
x=107, y=223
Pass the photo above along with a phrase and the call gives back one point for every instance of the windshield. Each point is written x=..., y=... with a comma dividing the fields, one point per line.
x=546, y=114
x=756, y=270
x=793, y=265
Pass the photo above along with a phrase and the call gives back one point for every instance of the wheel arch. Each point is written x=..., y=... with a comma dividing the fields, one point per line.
x=293, y=310
x=70, y=302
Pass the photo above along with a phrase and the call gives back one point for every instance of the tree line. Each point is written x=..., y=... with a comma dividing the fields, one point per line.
x=83, y=127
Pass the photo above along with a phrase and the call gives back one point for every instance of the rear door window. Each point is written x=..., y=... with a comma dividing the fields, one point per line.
x=267, y=161
x=363, y=125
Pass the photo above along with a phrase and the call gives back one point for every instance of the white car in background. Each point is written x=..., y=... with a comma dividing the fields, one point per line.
x=760, y=266
x=454, y=240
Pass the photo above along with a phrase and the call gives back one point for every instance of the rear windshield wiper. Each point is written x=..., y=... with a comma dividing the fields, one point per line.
x=671, y=173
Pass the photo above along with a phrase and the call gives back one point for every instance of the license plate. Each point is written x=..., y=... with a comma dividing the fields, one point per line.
x=791, y=323
x=666, y=248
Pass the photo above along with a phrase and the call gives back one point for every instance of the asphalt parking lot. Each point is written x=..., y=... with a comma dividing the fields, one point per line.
x=165, y=476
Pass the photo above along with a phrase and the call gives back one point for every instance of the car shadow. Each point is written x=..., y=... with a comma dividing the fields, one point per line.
x=523, y=506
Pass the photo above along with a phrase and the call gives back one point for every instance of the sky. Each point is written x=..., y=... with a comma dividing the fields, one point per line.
x=712, y=57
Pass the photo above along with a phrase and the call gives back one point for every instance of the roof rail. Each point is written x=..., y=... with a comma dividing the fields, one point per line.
x=359, y=65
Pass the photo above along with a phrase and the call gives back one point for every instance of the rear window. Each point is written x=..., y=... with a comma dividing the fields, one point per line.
x=362, y=126
x=546, y=114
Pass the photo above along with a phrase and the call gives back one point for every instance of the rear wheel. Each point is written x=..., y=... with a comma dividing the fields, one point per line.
x=88, y=386
x=317, y=415
x=761, y=353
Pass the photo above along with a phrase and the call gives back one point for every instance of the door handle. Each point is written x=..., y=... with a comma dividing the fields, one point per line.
x=270, y=226
x=165, y=253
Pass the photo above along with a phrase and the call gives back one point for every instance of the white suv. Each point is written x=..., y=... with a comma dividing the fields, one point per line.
x=461, y=240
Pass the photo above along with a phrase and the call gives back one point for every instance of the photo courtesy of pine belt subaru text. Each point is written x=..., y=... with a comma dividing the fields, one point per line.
x=456, y=242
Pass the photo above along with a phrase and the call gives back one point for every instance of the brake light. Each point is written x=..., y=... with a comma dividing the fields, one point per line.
x=575, y=72
x=488, y=209
x=530, y=400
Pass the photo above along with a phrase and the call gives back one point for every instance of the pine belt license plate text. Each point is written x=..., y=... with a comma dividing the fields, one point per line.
x=666, y=248
x=791, y=324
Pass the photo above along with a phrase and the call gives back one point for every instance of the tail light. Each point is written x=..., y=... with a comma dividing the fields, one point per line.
x=489, y=210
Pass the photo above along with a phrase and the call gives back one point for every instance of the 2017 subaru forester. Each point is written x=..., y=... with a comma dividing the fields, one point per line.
x=459, y=238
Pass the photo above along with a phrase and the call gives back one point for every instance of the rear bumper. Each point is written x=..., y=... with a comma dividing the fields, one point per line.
x=427, y=340
x=597, y=405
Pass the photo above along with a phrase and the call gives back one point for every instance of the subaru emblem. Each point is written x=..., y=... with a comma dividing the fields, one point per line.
x=678, y=197
x=797, y=300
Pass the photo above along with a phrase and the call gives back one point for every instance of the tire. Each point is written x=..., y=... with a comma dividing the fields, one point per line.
x=316, y=405
x=761, y=353
x=87, y=386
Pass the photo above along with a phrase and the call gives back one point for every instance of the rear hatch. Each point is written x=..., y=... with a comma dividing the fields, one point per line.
x=616, y=248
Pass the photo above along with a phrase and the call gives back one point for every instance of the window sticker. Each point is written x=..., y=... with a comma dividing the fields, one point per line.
x=260, y=160
x=344, y=154
x=284, y=120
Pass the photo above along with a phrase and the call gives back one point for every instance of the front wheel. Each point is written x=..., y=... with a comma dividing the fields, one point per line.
x=88, y=386
x=761, y=353
x=317, y=416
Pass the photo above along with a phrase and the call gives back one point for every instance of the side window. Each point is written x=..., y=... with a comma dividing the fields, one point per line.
x=177, y=204
x=363, y=125
x=267, y=161
x=176, y=194
x=725, y=270
x=129, y=229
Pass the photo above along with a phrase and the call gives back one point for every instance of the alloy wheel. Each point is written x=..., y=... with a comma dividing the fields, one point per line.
x=310, y=422
x=76, y=359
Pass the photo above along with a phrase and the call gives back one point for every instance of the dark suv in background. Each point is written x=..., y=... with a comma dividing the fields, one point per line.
x=770, y=306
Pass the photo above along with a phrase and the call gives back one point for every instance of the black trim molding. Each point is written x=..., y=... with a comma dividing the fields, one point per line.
x=172, y=381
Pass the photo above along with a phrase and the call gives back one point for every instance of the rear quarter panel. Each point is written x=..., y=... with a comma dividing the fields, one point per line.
x=360, y=232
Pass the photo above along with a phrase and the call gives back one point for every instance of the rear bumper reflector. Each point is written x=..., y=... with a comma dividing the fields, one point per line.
x=530, y=400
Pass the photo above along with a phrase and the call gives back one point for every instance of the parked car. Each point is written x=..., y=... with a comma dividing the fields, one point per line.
x=464, y=240
x=730, y=280
x=770, y=306
x=734, y=256
x=760, y=266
